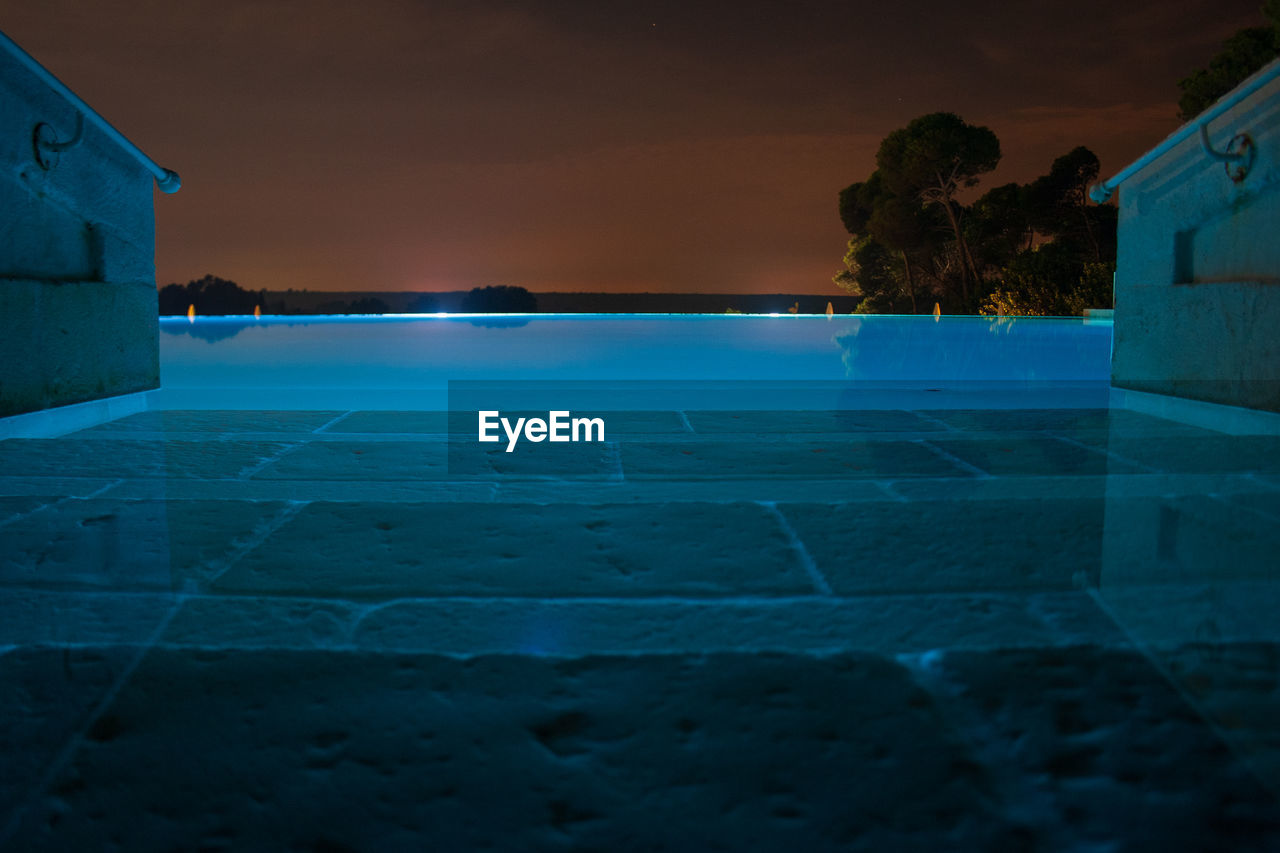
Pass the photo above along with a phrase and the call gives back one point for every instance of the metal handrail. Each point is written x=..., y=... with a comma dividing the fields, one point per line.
x=1101, y=192
x=167, y=180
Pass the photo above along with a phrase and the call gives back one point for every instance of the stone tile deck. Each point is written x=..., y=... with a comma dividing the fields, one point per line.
x=908, y=630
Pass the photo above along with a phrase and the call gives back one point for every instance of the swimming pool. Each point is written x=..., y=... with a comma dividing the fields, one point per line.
x=407, y=362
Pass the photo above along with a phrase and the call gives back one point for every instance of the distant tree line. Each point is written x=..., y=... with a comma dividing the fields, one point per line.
x=210, y=295
x=213, y=296
x=498, y=299
x=1039, y=248
x=502, y=299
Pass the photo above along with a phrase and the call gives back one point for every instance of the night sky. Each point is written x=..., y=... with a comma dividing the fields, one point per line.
x=662, y=146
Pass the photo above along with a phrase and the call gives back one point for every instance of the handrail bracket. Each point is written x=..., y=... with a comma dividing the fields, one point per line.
x=1238, y=156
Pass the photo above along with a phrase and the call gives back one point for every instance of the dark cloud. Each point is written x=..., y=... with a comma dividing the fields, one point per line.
x=579, y=145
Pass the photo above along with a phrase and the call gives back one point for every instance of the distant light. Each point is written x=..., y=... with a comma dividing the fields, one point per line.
x=442, y=314
x=773, y=314
x=191, y=313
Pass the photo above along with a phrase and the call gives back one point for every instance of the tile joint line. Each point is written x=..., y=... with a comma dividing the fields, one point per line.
x=76, y=741
x=955, y=460
x=816, y=577
x=339, y=419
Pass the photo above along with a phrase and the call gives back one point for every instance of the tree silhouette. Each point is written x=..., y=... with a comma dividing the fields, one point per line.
x=1241, y=55
x=932, y=159
x=1058, y=206
x=502, y=299
x=210, y=296
x=368, y=305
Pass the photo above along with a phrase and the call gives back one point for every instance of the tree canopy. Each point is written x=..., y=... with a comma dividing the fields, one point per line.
x=931, y=159
x=1059, y=207
x=1241, y=55
x=935, y=155
x=1038, y=248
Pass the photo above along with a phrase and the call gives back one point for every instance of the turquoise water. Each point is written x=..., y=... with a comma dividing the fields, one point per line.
x=355, y=358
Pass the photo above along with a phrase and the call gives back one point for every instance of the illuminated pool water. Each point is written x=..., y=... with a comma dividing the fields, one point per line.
x=398, y=362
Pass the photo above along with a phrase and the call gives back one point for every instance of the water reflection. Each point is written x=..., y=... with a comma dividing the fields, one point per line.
x=882, y=347
x=207, y=331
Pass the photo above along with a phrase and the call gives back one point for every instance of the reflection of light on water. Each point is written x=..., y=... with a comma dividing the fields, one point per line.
x=848, y=344
x=1001, y=325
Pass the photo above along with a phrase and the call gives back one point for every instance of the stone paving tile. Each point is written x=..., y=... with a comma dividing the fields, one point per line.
x=126, y=545
x=952, y=546
x=81, y=617
x=53, y=487
x=259, y=622
x=1113, y=486
x=1066, y=421
x=1170, y=615
x=361, y=460
x=1271, y=480
x=790, y=422
x=384, y=551
x=888, y=625
x=1004, y=488
x=46, y=697
x=1263, y=503
x=595, y=460
x=306, y=490
x=1015, y=457
x=1237, y=686
x=617, y=422
x=393, y=422
x=214, y=421
x=640, y=422
x=1209, y=454
x=845, y=458
x=1076, y=618
x=1126, y=763
x=667, y=491
x=1187, y=539
x=14, y=506
x=325, y=751
x=99, y=458
x=1147, y=485
x=568, y=627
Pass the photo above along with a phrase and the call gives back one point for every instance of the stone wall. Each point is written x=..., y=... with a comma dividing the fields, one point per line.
x=1198, y=271
x=77, y=247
